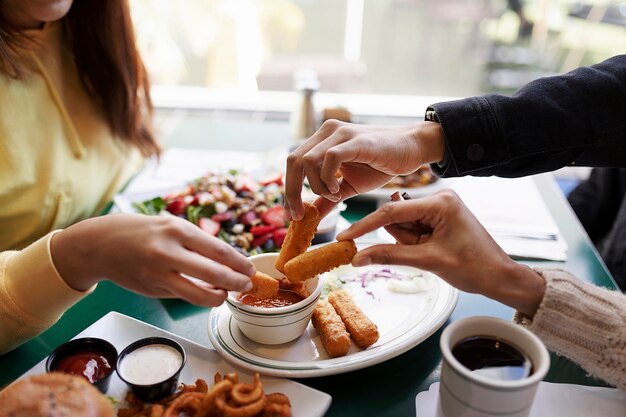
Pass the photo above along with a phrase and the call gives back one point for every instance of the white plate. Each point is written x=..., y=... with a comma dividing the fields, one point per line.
x=403, y=320
x=382, y=194
x=202, y=362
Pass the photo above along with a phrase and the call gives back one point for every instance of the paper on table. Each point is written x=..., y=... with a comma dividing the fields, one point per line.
x=515, y=215
x=551, y=400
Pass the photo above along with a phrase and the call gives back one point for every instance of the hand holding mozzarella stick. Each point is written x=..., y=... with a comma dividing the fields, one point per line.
x=456, y=247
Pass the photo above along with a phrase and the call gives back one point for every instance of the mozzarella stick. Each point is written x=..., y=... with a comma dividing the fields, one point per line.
x=361, y=329
x=263, y=286
x=320, y=260
x=299, y=236
x=332, y=331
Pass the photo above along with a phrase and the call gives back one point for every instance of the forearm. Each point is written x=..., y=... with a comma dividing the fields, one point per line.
x=583, y=322
x=549, y=123
x=32, y=294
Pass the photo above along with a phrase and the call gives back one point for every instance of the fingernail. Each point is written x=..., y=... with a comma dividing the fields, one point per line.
x=332, y=197
x=340, y=235
x=361, y=260
x=247, y=286
x=251, y=271
x=334, y=188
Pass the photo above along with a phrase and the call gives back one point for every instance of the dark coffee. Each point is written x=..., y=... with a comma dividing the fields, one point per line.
x=493, y=358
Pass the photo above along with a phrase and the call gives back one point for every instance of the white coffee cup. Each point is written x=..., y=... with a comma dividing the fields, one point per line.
x=463, y=393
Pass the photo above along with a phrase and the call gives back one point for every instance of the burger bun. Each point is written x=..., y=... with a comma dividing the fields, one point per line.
x=53, y=395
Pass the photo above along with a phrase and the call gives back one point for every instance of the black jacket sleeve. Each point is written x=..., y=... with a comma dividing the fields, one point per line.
x=576, y=118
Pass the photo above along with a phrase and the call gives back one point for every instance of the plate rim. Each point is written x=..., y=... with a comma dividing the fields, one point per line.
x=407, y=343
x=322, y=398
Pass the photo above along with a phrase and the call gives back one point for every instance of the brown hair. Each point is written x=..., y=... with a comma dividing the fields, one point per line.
x=103, y=43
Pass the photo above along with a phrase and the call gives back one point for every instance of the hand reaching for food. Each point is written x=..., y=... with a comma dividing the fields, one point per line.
x=151, y=255
x=366, y=157
x=439, y=234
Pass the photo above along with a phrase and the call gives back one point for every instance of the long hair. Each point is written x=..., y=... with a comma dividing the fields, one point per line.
x=102, y=40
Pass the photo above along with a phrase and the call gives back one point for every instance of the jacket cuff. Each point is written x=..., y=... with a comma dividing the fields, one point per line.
x=472, y=137
x=34, y=284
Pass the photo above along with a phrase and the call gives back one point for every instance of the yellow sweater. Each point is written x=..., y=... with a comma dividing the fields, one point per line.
x=59, y=164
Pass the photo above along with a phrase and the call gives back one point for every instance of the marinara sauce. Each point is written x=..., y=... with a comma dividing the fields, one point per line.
x=282, y=299
x=88, y=364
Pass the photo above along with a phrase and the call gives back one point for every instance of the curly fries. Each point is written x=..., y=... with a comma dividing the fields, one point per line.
x=227, y=398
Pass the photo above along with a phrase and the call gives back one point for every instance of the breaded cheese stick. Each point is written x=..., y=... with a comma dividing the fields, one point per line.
x=320, y=260
x=299, y=236
x=263, y=286
x=361, y=329
x=332, y=331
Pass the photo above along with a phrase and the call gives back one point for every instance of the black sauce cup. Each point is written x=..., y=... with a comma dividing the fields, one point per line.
x=157, y=390
x=85, y=344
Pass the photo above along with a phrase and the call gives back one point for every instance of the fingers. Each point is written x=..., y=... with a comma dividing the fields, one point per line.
x=388, y=214
x=196, y=292
x=298, y=163
x=402, y=235
x=294, y=178
x=219, y=251
x=390, y=254
x=197, y=266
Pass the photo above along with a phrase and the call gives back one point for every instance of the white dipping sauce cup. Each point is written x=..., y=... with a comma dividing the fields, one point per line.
x=463, y=393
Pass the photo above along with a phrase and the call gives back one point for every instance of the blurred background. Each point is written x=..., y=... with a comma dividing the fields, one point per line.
x=214, y=62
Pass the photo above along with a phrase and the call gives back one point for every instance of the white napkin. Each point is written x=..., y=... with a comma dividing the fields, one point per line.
x=515, y=215
x=551, y=400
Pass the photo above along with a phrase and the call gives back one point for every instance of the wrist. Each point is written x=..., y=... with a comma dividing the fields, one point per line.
x=431, y=141
x=521, y=288
x=65, y=250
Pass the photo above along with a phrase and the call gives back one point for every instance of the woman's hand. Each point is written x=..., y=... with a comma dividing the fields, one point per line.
x=151, y=255
x=366, y=157
x=440, y=234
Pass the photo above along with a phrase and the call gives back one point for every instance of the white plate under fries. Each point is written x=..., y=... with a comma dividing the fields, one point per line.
x=403, y=320
x=202, y=362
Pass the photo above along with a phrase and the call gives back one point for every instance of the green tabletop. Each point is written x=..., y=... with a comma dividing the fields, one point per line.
x=386, y=389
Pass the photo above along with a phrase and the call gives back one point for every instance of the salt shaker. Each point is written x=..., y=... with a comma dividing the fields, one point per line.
x=303, y=119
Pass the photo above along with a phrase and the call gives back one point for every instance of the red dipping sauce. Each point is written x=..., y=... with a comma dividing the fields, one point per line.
x=282, y=299
x=88, y=364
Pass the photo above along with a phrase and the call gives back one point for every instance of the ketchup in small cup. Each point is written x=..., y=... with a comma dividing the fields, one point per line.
x=151, y=367
x=91, y=358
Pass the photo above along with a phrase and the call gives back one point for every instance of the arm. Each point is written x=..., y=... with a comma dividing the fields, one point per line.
x=575, y=118
x=439, y=234
x=33, y=296
x=156, y=256
x=583, y=322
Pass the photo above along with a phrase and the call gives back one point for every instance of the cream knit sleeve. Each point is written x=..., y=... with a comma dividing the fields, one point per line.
x=584, y=322
x=32, y=294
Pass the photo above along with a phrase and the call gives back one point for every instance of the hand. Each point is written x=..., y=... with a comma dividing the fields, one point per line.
x=151, y=255
x=440, y=234
x=365, y=156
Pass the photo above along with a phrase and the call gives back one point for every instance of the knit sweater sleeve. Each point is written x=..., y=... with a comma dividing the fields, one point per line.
x=33, y=296
x=583, y=322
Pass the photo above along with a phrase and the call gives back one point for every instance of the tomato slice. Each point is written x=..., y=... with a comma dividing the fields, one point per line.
x=210, y=226
x=274, y=216
x=261, y=230
x=276, y=178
